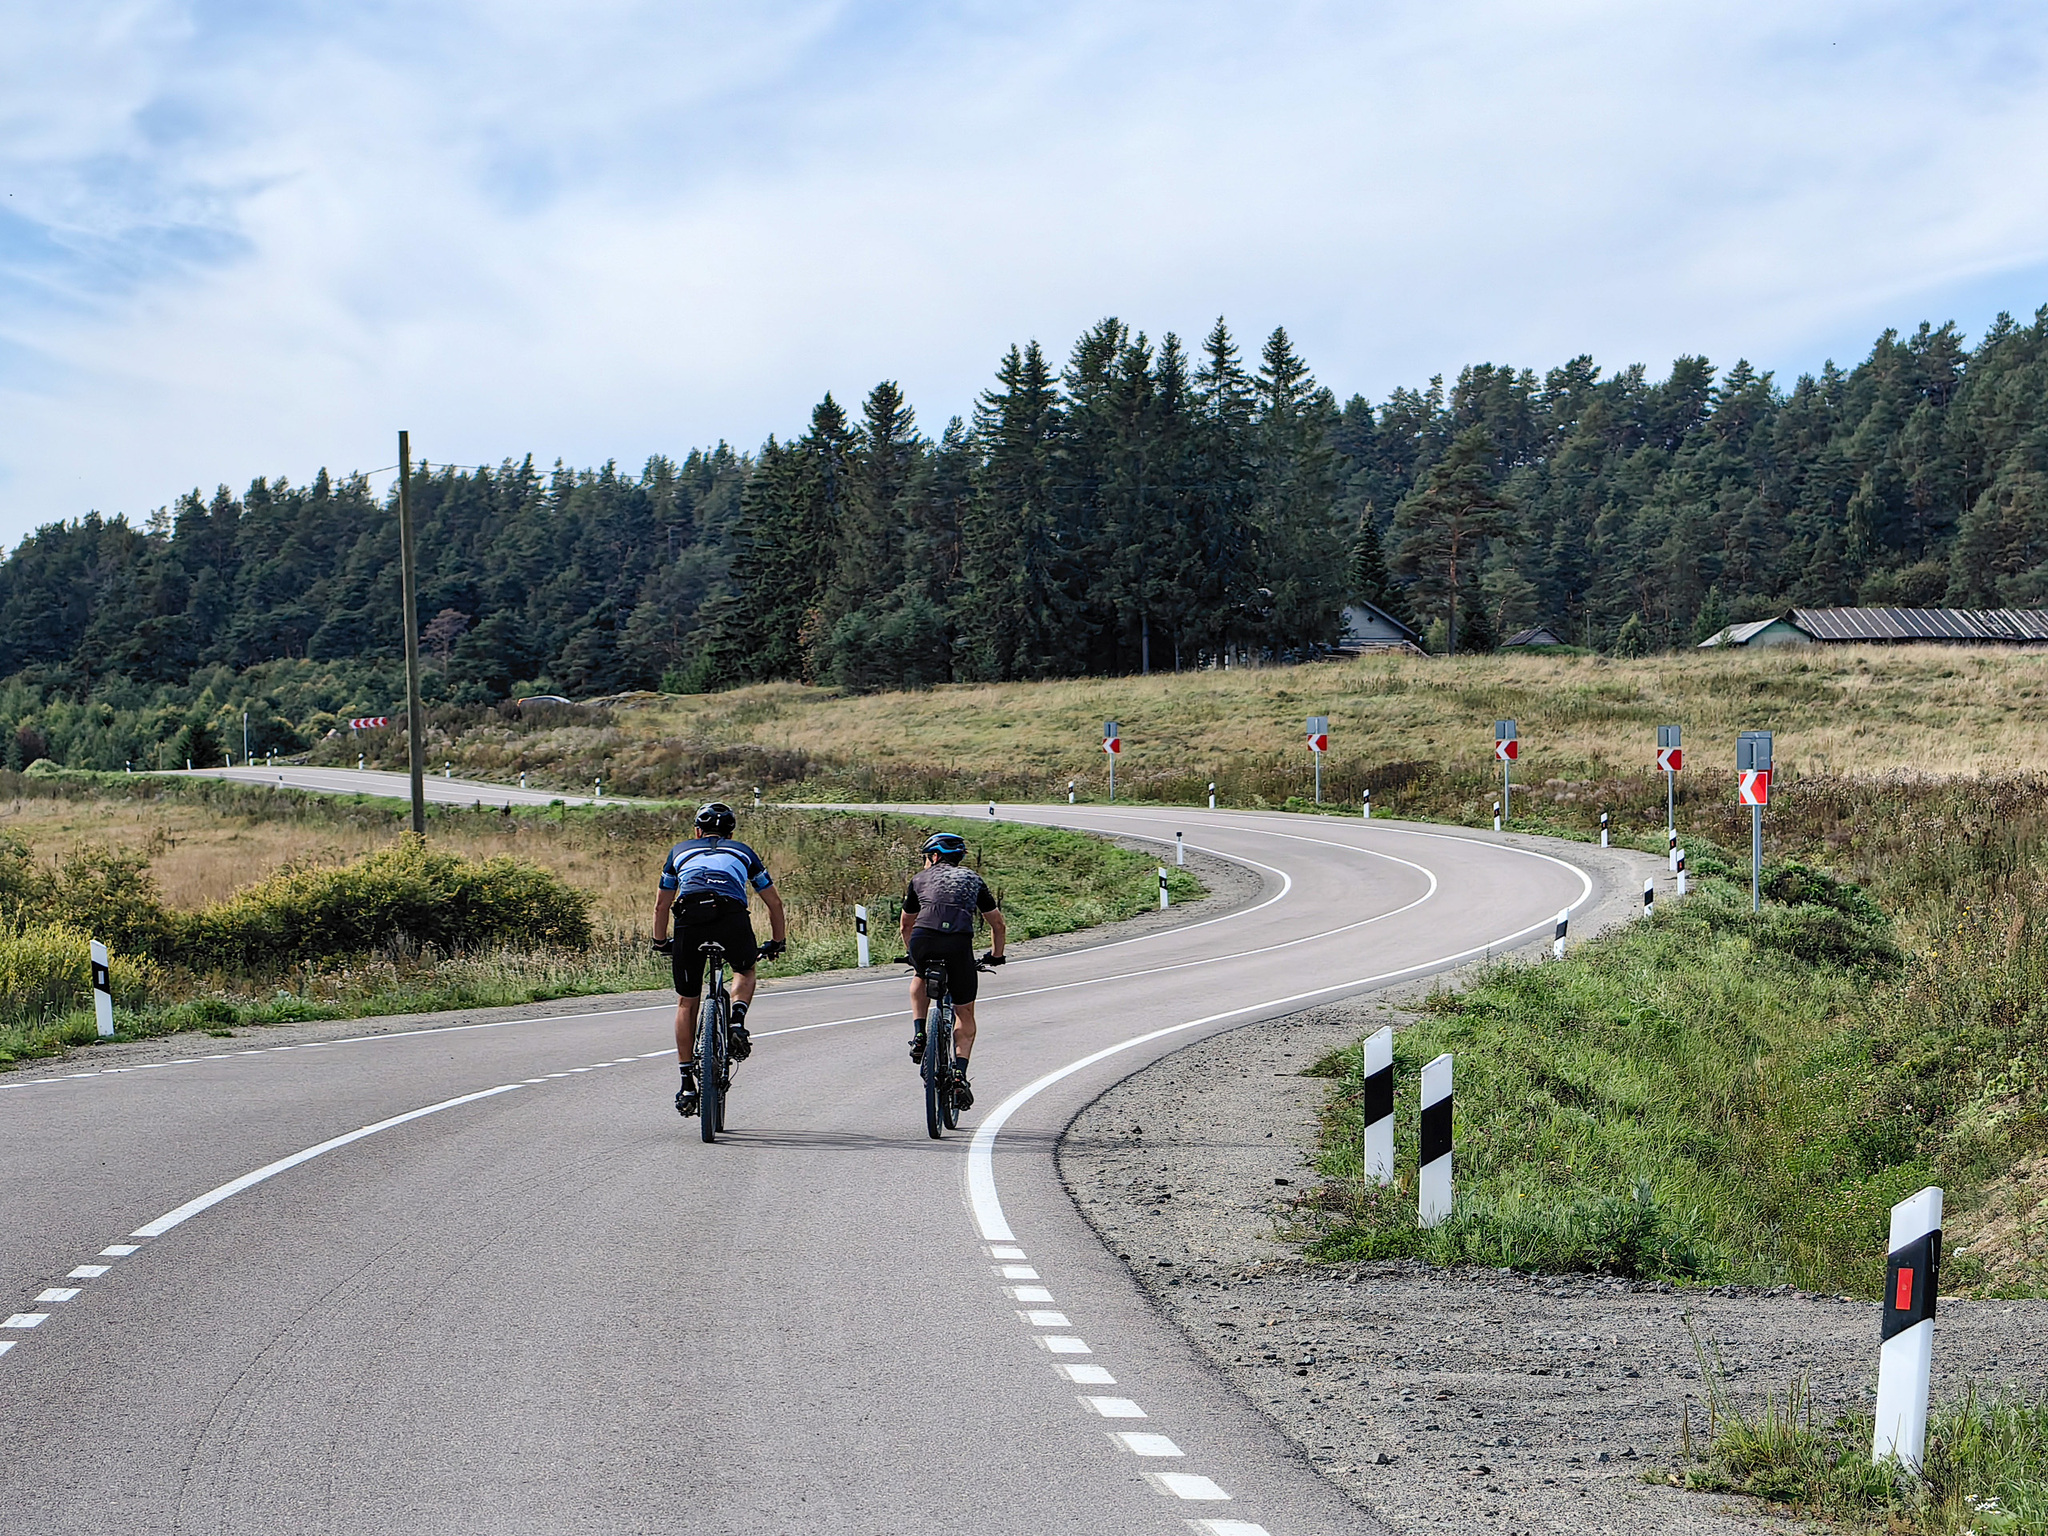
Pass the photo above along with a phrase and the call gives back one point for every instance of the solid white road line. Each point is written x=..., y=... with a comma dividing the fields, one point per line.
x=213, y=1197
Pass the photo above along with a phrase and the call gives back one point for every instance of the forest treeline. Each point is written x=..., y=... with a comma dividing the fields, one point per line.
x=1140, y=507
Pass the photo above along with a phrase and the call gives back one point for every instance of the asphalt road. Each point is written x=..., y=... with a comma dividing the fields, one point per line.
x=395, y=786
x=541, y=1304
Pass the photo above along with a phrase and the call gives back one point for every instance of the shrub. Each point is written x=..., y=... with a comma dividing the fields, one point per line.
x=48, y=970
x=402, y=897
x=108, y=892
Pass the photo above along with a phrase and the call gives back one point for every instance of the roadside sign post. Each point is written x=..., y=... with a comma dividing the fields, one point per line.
x=1367, y=797
x=1671, y=758
x=1112, y=743
x=102, y=990
x=1507, y=749
x=415, y=710
x=1318, y=744
x=1163, y=900
x=1603, y=829
x=1564, y=920
x=1433, y=1177
x=1379, y=1105
x=1180, y=850
x=860, y=936
x=1753, y=787
x=1906, y=1358
x=1070, y=791
x=1212, y=794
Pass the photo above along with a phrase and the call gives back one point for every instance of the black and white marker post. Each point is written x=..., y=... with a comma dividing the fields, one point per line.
x=1180, y=849
x=1378, y=1105
x=860, y=936
x=1681, y=869
x=991, y=810
x=1649, y=898
x=1433, y=1180
x=1070, y=791
x=1496, y=815
x=1162, y=890
x=1507, y=749
x=1112, y=743
x=1367, y=797
x=1603, y=829
x=1753, y=789
x=1671, y=848
x=1564, y=920
x=102, y=989
x=1212, y=794
x=1318, y=744
x=1911, y=1283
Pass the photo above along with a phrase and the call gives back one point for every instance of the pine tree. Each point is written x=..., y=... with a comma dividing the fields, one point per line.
x=1446, y=523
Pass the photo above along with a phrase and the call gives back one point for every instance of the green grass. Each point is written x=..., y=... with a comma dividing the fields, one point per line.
x=1049, y=882
x=1985, y=1470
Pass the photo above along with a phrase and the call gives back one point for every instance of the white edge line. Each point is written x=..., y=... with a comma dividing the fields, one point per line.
x=981, y=1174
x=213, y=1197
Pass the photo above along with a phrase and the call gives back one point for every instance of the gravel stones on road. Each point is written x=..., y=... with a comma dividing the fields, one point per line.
x=1461, y=1400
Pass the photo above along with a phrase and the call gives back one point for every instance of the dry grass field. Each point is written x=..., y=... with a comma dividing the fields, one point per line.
x=1837, y=711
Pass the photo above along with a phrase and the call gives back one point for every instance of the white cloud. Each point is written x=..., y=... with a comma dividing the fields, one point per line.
x=610, y=230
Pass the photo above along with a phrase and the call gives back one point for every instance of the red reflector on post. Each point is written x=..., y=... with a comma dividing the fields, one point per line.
x=1905, y=1299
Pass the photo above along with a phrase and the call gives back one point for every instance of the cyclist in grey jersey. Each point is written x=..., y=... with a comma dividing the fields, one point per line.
x=939, y=912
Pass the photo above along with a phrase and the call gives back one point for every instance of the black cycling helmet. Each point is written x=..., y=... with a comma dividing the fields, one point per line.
x=950, y=846
x=716, y=817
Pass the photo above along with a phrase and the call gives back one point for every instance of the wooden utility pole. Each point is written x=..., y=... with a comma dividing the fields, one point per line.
x=415, y=712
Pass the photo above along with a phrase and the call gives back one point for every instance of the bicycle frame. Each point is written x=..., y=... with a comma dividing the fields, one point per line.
x=714, y=1065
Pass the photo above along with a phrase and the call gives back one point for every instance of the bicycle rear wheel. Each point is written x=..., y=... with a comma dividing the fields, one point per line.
x=949, y=1106
x=937, y=1084
x=710, y=1064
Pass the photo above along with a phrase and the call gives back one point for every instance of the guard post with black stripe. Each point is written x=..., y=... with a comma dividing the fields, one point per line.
x=1378, y=1105
x=1603, y=829
x=1649, y=898
x=1912, y=1275
x=1564, y=919
x=1433, y=1181
x=1681, y=870
x=102, y=989
x=860, y=936
x=1162, y=890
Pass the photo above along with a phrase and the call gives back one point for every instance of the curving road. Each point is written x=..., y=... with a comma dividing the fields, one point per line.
x=483, y=1280
x=392, y=786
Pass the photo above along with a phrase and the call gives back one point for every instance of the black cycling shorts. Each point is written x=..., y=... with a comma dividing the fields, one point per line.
x=957, y=950
x=728, y=926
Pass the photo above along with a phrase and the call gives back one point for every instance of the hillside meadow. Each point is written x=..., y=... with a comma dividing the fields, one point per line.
x=1396, y=722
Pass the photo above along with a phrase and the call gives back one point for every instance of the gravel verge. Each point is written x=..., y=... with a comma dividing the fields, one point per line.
x=1466, y=1399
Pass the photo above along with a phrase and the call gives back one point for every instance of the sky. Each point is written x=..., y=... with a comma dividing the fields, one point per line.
x=242, y=238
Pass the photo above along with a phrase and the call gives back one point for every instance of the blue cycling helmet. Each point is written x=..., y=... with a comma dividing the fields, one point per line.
x=950, y=846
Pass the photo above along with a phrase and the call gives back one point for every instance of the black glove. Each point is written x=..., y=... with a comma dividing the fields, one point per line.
x=774, y=949
x=664, y=946
x=992, y=958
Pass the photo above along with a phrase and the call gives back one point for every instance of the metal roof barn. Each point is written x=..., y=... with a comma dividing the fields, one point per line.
x=2003, y=626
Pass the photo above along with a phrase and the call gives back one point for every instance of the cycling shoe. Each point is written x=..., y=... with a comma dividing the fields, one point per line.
x=739, y=1045
x=686, y=1101
x=917, y=1048
x=963, y=1094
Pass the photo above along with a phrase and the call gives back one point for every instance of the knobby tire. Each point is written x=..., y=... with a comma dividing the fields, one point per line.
x=710, y=1090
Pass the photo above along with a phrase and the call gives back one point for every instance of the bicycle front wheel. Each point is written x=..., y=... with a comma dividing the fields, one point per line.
x=949, y=1106
x=710, y=1070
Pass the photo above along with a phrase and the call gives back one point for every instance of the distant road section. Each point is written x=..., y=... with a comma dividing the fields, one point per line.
x=394, y=786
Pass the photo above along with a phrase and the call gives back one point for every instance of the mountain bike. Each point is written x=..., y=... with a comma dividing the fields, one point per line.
x=714, y=1021
x=941, y=1082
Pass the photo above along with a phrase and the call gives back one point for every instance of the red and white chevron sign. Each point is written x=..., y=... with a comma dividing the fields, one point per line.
x=1670, y=759
x=1756, y=786
x=1319, y=742
x=1507, y=750
x=1112, y=744
x=369, y=722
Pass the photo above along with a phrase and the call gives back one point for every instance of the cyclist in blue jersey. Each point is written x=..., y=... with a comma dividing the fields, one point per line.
x=706, y=883
x=939, y=912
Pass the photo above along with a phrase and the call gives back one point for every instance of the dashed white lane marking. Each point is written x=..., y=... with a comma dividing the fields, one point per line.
x=1019, y=1272
x=24, y=1320
x=213, y=1197
x=1140, y=1444
x=1001, y=1252
x=1064, y=1344
x=88, y=1271
x=58, y=1293
x=1046, y=1319
x=1029, y=1293
x=1114, y=1407
x=1228, y=1528
x=119, y=1250
x=6, y=1345
x=1185, y=1485
x=1087, y=1375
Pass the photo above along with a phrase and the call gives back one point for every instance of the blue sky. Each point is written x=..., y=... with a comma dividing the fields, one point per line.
x=241, y=239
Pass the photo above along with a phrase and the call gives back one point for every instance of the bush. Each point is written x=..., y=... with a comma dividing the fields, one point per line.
x=108, y=892
x=405, y=897
x=48, y=971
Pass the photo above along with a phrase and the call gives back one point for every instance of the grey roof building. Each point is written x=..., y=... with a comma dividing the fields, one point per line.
x=1891, y=626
